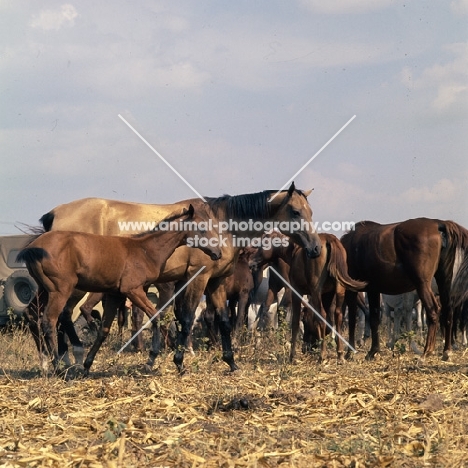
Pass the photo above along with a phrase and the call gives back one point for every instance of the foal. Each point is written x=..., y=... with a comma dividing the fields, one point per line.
x=61, y=261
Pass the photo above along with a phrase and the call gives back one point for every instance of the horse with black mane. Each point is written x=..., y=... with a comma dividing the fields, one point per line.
x=61, y=261
x=286, y=207
x=399, y=257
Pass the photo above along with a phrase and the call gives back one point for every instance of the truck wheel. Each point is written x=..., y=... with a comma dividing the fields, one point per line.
x=18, y=290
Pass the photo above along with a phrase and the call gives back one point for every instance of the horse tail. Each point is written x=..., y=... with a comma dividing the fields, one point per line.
x=47, y=220
x=459, y=289
x=337, y=266
x=453, y=262
x=31, y=255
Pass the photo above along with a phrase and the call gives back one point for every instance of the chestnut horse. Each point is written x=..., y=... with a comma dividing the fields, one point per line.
x=240, y=212
x=324, y=279
x=62, y=261
x=397, y=258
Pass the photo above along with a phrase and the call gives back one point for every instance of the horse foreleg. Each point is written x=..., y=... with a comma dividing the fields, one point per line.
x=374, y=320
x=351, y=301
x=295, y=322
x=241, y=312
x=87, y=307
x=211, y=323
x=140, y=300
x=185, y=306
x=217, y=292
x=338, y=316
x=110, y=310
x=137, y=323
x=446, y=317
x=322, y=324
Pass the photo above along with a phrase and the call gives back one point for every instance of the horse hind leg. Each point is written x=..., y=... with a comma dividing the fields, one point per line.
x=374, y=320
x=432, y=309
x=33, y=316
x=55, y=305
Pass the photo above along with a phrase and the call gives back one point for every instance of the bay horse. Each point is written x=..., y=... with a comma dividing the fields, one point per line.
x=323, y=279
x=239, y=287
x=62, y=261
x=399, y=257
x=288, y=207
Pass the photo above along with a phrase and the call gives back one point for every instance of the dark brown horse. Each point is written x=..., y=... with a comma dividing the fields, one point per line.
x=290, y=206
x=397, y=258
x=63, y=261
x=323, y=279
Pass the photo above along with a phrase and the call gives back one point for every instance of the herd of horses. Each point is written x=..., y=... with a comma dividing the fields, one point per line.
x=81, y=249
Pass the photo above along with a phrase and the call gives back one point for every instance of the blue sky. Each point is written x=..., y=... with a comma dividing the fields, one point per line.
x=237, y=96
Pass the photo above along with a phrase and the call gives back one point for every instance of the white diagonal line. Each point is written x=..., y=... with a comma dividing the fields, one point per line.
x=313, y=157
x=162, y=159
x=313, y=310
x=161, y=309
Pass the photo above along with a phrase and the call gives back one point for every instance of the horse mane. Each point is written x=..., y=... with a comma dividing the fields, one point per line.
x=244, y=207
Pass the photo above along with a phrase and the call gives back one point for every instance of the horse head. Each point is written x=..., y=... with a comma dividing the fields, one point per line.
x=294, y=216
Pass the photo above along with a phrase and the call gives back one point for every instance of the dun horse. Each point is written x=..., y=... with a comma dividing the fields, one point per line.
x=102, y=216
x=62, y=261
x=323, y=279
x=397, y=258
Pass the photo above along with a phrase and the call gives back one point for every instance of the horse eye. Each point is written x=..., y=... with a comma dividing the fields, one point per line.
x=296, y=213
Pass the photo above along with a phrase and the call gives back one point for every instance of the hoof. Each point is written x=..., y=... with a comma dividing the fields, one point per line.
x=340, y=359
x=370, y=356
x=446, y=356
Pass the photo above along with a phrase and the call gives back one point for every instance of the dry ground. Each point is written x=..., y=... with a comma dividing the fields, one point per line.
x=386, y=413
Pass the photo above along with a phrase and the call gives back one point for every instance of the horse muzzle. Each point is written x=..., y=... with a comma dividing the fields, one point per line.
x=313, y=252
x=215, y=256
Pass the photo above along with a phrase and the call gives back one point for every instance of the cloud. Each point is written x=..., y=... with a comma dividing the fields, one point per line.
x=446, y=82
x=55, y=19
x=443, y=191
x=344, y=6
x=460, y=7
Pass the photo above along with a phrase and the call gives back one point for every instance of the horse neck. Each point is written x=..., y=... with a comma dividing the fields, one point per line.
x=163, y=243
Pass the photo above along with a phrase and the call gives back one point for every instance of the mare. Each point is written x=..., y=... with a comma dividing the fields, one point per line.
x=397, y=258
x=323, y=279
x=62, y=261
x=289, y=209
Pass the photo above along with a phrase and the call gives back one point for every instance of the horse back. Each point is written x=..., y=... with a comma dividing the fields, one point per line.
x=107, y=217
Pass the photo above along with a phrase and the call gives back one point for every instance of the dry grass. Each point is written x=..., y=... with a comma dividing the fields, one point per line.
x=386, y=413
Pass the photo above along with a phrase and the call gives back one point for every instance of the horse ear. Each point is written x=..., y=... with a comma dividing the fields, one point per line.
x=307, y=192
x=291, y=189
x=190, y=211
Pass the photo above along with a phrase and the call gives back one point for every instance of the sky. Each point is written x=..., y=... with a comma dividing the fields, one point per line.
x=237, y=97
